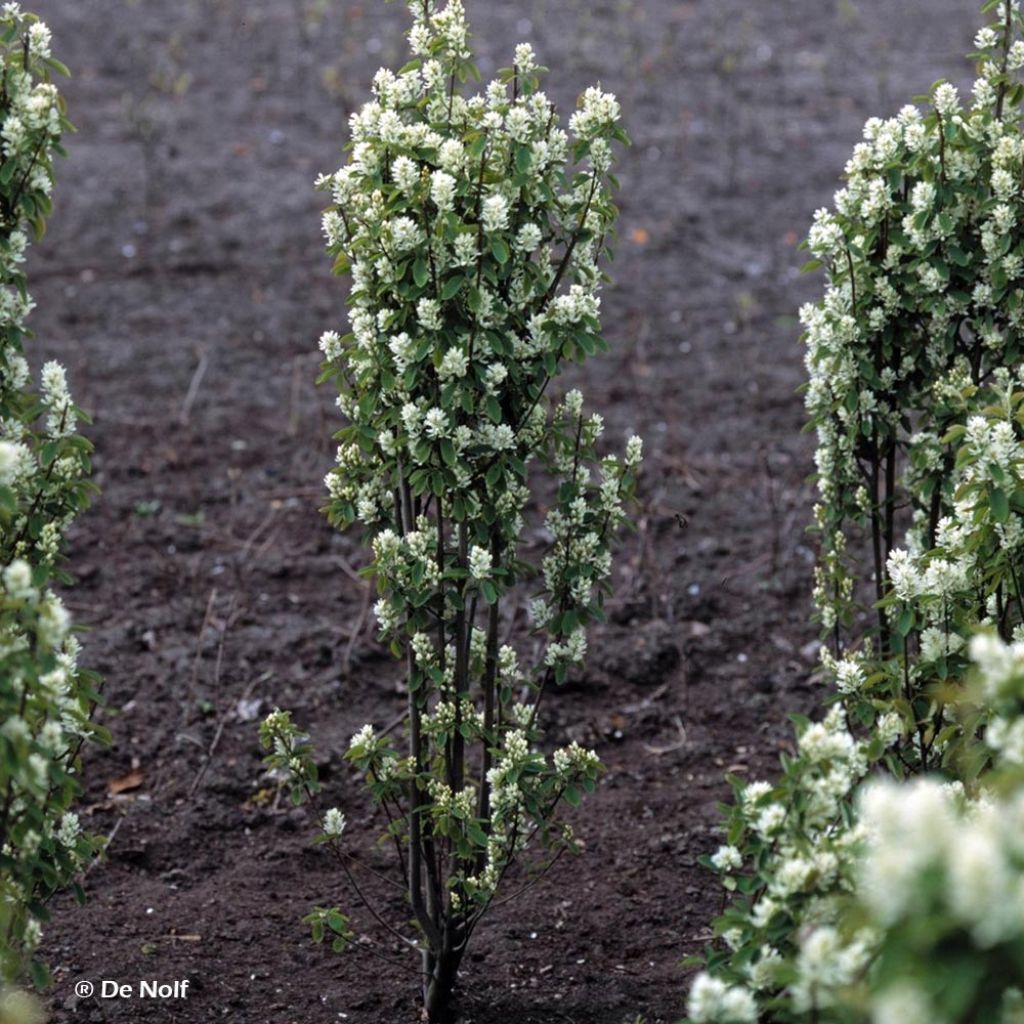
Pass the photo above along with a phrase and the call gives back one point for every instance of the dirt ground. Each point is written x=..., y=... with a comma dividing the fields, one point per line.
x=184, y=283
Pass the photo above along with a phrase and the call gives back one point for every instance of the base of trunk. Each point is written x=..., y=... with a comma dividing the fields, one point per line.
x=438, y=996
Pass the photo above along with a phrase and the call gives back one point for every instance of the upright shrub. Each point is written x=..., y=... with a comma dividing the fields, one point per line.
x=915, y=392
x=45, y=698
x=923, y=308
x=472, y=227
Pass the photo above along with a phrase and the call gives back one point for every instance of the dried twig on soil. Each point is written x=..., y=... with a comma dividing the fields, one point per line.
x=222, y=718
x=357, y=630
x=673, y=747
x=194, y=681
x=193, y=388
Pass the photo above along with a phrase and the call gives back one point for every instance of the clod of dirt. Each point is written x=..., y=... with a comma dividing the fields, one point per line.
x=648, y=654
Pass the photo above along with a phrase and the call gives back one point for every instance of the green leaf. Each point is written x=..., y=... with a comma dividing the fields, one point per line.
x=451, y=287
x=420, y=272
x=906, y=622
x=56, y=65
x=999, y=504
x=40, y=975
x=500, y=250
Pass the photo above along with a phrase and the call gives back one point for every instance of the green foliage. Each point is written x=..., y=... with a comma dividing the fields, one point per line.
x=45, y=698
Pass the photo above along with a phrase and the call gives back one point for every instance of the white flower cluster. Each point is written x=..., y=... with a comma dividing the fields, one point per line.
x=334, y=823
x=713, y=1002
x=932, y=855
x=1000, y=674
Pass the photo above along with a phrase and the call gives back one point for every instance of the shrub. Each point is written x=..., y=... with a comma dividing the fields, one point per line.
x=916, y=396
x=45, y=698
x=472, y=227
x=921, y=316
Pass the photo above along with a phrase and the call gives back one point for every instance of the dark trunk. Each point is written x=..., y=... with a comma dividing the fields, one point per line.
x=440, y=986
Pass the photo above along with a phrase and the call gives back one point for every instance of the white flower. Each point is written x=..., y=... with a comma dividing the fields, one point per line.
x=525, y=59
x=904, y=575
x=986, y=38
x=15, y=461
x=366, y=737
x=435, y=423
x=825, y=237
x=597, y=110
x=819, y=743
x=495, y=376
x=480, y=563
x=946, y=99
x=494, y=215
x=454, y=363
x=849, y=675
x=711, y=1001
x=574, y=403
x=452, y=155
x=770, y=820
x=902, y=1003
x=405, y=233
x=330, y=345
x=69, y=831
x=634, y=451
x=528, y=238
x=39, y=39
x=727, y=858
x=334, y=823
x=936, y=643
x=922, y=196
x=442, y=190
x=18, y=580
x=405, y=173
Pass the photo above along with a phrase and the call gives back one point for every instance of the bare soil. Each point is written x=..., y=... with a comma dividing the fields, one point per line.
x=184, y=283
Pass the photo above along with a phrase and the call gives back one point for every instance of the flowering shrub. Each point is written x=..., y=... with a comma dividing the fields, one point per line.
x=472, y=227
x=788, y=860
x=915, y=395
x=923, y=299
x=45, y=698
x=894, y=902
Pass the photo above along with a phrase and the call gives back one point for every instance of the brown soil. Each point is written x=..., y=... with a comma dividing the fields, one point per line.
x=185, y=250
